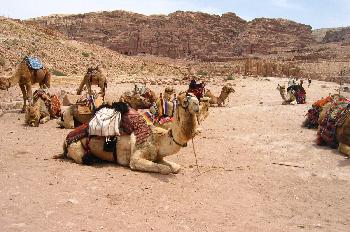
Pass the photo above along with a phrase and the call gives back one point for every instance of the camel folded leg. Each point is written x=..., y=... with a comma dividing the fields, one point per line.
x=344, y=149
x=141, y=164
x=175, y=168
x=45, y=119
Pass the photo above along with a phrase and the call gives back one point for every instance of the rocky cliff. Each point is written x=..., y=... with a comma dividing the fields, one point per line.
x=342, y=36
x=182, y=34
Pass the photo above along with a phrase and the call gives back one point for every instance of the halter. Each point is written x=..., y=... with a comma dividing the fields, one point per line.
x=177, y=143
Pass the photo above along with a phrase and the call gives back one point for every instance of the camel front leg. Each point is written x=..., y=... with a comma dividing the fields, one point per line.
x=45, y=119
x=24, y=95
x=175, y=168
x=141, y=164
x=29, y=93
x=344, y=149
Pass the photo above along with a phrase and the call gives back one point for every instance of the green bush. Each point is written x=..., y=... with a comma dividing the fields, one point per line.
x=58, y=73
x=230, y=78
x=85, y=54
x=202, y=73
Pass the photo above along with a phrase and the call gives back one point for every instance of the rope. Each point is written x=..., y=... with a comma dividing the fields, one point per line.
x=195, y=156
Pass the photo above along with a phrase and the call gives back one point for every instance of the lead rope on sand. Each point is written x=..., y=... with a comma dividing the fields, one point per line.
x=195, y=156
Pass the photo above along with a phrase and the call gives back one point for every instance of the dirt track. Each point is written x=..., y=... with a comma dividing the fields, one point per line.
x=260, y=171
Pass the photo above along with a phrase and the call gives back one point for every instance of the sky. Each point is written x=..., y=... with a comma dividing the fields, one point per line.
x=317, y=13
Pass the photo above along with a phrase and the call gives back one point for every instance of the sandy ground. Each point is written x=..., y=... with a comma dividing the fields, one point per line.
x=259, y=171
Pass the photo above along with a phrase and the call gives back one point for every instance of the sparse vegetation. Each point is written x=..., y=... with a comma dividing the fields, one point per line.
x=230, y=78
x=58, y=73
x=85, y=54
x=2, y=61
x=202, y=73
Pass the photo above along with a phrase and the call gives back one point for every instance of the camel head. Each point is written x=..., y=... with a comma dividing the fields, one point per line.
x=168, y=92
x=281, y=88
x=140, y=88
x=228, y=89
x=4, y=84
x=32, y=116
x=189, y=102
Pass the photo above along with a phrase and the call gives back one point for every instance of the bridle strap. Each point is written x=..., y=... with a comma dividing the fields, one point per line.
x=177, y=143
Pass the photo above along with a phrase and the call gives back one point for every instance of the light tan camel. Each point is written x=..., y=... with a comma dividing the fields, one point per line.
x=148, y=156
x=25, y=78
x=290, y=99
x=93, y=76
x=140, y=98
x=219, y=101
x=37, y=113
x=76, y=114
x=45, y=106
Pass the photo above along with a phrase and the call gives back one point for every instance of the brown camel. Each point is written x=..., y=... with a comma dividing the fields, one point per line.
x=219, y=101
x=140, y=98
x=149, y=155
x=93, y=76
x=342, y=132
x=25, y=77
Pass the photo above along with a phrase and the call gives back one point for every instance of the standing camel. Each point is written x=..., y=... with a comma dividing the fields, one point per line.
x=25, y=77
x=93, y=76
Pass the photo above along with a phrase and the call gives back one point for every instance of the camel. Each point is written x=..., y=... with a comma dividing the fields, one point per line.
x=25, y=77
x=219, y=101
x=342, y=132
x=149, y=155
x=140, y=98
x=77, y=114
x=290, y=100
x=45, y=106
x=313, y=114
x=93, y=76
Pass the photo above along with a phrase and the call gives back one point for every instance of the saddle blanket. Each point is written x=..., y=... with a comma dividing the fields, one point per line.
x=52, y=102
x=106, y=123
x=77, y=134
x=133, y=122
x=34, y=62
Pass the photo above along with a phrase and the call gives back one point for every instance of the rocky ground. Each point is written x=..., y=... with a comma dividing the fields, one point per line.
x=259, y=171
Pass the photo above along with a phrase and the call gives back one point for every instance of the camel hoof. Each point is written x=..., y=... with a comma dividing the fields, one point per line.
x=176, y=168
x=166, y=170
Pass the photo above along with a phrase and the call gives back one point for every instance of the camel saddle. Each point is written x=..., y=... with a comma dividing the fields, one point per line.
x=78, y=133
x=87, y=105
x=33, y=63
x=335, y=117
x=106, y=122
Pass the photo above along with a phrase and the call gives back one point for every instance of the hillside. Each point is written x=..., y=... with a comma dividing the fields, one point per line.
x=182, y=34
x=63, y=56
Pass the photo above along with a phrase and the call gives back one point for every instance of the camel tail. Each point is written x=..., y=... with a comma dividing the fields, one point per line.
x=64, y=153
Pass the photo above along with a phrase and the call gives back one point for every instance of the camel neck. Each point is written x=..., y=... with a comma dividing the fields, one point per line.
x=283, y=95
x=185, y=125
x=222, y=97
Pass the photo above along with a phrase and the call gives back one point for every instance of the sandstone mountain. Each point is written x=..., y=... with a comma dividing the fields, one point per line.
x=341, y=35
x=182, y=34
x=66, y=57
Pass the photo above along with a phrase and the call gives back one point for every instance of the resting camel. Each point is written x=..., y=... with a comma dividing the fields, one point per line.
x=342, y=132
x=149, y=155
x=140, y=98
x=313, y=114
x=219, y=101
x=77, y=114
x=290, y=99
x=93, y=76
x=45, y=106
x=25, y=77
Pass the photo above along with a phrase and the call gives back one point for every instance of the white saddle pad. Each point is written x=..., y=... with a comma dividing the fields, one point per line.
x=106, y=123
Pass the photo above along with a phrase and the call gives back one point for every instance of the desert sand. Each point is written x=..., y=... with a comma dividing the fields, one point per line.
x=259, y=171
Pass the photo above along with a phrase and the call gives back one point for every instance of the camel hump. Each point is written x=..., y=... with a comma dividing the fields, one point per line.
x=34, y=62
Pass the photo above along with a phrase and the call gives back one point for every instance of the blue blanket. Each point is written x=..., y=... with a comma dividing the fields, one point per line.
x=34, y=62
